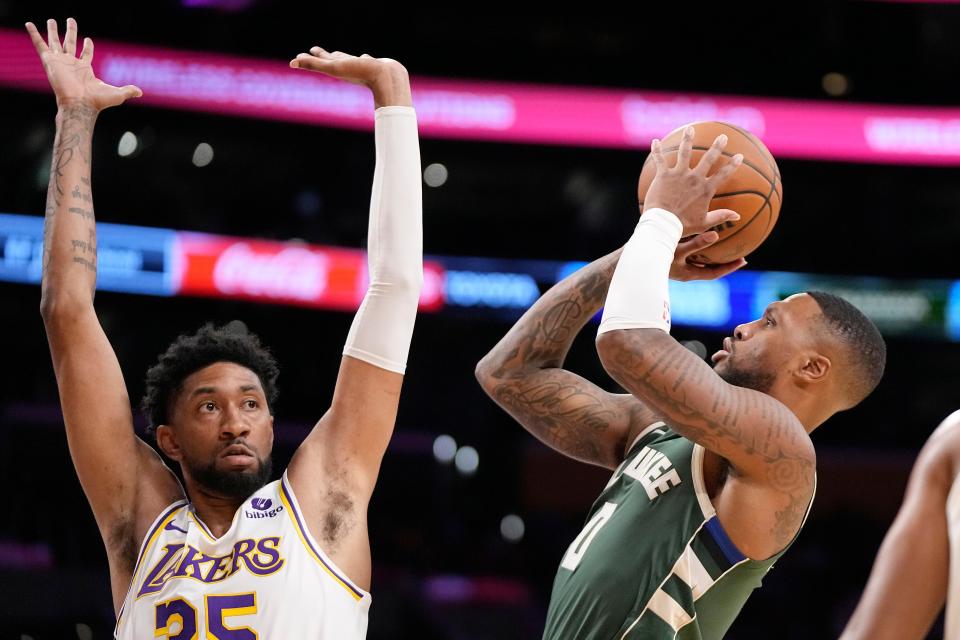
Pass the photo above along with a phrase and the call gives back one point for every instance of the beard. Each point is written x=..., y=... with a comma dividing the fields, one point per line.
x=756, y=379
x=239, y=485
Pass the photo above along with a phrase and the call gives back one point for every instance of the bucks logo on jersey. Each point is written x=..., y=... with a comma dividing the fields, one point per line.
x=652, y=560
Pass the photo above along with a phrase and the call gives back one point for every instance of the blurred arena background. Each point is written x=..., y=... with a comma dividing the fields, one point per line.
x=471, y=515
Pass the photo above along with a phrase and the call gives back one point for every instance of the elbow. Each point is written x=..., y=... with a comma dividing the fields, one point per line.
x=484, y=372
x=58, y=308
x=608, y=345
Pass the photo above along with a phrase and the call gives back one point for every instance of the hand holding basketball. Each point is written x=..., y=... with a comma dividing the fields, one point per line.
x=754, y=189
x=686, y=191
x=685, y=267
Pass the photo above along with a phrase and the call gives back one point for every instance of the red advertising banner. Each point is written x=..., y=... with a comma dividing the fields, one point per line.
x=282, y=272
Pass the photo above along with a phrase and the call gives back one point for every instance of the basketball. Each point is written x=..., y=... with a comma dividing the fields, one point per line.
x=755, y=190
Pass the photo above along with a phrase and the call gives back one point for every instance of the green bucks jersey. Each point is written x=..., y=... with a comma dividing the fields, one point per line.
x=652, y=561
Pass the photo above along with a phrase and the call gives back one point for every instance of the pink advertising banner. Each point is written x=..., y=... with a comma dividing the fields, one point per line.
x=508, y=112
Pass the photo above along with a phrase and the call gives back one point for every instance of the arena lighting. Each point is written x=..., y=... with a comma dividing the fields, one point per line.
x=512, y=528
x=164, y=262
x=467, y=460
x=202, y=155
x=435, y=175
x=444, y=449
x=128, y=144
x=507, y=112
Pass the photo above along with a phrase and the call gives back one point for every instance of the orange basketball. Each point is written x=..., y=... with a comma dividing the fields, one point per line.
x=755, y=190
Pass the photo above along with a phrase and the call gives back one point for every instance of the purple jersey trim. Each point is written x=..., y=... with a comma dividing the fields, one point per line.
x=288, y=494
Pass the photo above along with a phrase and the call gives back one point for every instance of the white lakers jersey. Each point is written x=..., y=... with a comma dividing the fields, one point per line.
x=265, y=578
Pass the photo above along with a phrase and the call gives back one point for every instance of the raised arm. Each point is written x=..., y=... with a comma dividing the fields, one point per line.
x=757, y=434
x=124, y=480
x=908, y=584
x=334, y=471
x=524, y=372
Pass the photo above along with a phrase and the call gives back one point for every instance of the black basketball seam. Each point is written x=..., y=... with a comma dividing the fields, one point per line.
x=749, y=136
x=739, y=193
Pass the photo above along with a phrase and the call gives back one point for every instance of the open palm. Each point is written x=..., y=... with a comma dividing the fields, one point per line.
x=363, y=69
x=72, y=78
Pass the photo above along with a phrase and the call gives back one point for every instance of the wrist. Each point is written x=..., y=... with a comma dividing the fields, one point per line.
x=392, y=87
x=76, y=107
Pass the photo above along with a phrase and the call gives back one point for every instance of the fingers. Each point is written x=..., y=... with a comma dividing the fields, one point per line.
x=656, y=152
x=712, y=155
x=686, y=146
x=131, y=91
x=70, y=40
x=714, y=271
x=36, y=38
x=87, y=53
x=53, y=38
x=719, y=216
x=697, y=243
x=307, y=61
x=725, y=171
x=319, y=52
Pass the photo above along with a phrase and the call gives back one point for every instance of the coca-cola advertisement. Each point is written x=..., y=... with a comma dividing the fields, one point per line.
x=283, y=272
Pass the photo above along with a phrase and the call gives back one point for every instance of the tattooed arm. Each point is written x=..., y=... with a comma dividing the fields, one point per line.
x=124, y=480
x=523, y=373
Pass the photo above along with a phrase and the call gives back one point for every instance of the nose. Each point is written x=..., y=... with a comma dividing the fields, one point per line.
x=233, y=425
x=742, y=332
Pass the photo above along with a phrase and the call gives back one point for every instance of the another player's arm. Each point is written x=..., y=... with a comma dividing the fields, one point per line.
x=334, y=471
x=124, y=480
x=908, y=584
x=759, y=436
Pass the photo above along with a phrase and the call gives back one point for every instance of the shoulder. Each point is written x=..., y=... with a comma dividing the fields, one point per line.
x=940, y=456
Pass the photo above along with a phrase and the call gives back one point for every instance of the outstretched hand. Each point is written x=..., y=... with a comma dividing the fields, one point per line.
x=684, y=270
x=385, y=77
x=686, y=192
x=72, y=78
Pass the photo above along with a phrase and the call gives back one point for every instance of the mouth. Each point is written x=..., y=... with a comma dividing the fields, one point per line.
x=724, y=352
x=237, y=455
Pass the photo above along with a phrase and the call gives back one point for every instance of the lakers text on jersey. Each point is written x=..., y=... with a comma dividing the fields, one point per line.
x=266, y=577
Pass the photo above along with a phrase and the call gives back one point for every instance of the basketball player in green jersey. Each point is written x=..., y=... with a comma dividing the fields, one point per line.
x=714, y=471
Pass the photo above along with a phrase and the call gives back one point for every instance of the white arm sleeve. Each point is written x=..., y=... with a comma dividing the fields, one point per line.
x=639, y=294
x=383, y=326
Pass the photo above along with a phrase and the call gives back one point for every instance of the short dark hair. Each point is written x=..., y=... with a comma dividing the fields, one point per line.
x=866, y=351
x=232, y=342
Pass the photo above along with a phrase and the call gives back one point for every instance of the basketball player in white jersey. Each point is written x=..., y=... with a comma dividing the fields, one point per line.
x=225, y=555
x=918, y=565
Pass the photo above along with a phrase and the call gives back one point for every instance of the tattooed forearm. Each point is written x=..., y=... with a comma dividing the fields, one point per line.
x=751, y=430
x=70, y=253
x=86, y=214
x=75, y=130
x=561, y=410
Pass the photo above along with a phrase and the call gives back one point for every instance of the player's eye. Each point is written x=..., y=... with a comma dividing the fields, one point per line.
x=251, y=404
x=770, y=322
x=208, y=407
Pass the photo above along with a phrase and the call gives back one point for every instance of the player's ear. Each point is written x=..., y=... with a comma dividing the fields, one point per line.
x=168, y=443
x=814, y=367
